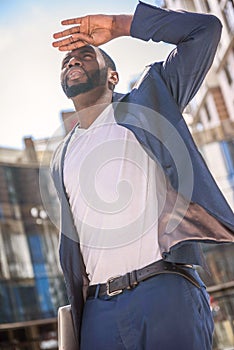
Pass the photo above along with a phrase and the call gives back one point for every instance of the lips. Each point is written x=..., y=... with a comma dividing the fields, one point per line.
x=74, y=73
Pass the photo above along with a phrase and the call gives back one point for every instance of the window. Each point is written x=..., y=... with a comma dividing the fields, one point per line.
x=10, y=184
x=17, y=258
x=207, y=112
x=190, y=5
x=228, y=13
x=206, y=6
x=228, y=153
x=227, y=72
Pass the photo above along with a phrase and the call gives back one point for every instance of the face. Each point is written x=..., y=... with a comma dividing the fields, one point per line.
x=83, y=69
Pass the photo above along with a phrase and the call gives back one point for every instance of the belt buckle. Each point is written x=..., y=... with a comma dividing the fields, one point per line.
x=116, y=292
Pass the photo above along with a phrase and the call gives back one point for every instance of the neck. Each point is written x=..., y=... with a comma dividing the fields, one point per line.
x=95, y=100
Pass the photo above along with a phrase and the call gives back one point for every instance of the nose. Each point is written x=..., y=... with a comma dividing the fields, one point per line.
x=74, y=61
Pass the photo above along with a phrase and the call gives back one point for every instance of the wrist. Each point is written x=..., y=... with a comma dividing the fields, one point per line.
x=122, y=25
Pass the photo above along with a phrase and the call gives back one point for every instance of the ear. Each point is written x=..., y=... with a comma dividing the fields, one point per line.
x=113, y=77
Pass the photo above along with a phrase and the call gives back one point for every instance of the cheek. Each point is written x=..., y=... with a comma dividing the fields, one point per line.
x=93, y=71
x=62, y=76
x=92, y=67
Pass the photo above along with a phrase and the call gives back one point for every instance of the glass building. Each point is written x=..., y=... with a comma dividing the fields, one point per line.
x=31, y=283
x=220, y=285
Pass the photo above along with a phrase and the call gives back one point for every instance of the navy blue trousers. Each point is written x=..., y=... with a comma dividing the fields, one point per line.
x=165, y=312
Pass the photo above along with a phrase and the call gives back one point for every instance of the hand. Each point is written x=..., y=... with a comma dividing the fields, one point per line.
x=92, y=30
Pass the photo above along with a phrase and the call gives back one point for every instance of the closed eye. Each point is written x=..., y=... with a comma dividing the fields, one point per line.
x=88, y=56
x=65, y=62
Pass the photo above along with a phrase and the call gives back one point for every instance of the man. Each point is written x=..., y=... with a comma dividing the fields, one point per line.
x=136, y=196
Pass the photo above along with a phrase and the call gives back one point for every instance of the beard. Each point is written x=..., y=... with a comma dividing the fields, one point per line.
x=97, y=79
x=77, y=89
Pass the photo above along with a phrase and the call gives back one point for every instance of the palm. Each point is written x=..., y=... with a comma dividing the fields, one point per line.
x=93, y=30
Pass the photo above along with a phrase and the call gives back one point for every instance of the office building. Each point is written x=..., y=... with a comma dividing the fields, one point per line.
x=31, y=282
x=210, y=117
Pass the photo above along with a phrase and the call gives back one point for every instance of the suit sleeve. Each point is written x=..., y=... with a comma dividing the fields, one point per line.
x=196, y=37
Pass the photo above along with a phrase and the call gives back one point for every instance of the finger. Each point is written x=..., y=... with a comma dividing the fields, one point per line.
x=62, y=42
x=72, y=21
x=73, y=46
x=67, y=32
x=73, y=39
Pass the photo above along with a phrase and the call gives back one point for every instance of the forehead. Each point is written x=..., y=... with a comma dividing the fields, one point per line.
x=82, y=50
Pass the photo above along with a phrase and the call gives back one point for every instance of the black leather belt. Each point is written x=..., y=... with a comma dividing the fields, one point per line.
x=116, y=285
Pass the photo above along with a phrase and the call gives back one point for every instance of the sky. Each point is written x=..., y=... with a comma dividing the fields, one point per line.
x=31, y=98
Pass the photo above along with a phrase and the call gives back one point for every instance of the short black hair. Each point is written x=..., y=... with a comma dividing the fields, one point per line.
x=108, y=60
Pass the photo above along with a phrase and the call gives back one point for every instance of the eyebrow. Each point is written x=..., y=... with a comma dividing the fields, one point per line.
x=64, y=60
x=81, y=50
x=87, y=48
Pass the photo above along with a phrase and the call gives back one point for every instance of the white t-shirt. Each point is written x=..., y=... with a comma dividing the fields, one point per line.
x=111, y=184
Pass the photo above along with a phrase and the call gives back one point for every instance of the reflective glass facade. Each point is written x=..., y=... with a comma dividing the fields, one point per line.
x=220, y=284
x=31, y=283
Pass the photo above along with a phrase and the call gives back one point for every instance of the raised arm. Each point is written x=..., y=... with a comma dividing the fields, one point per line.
x=196, y=37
